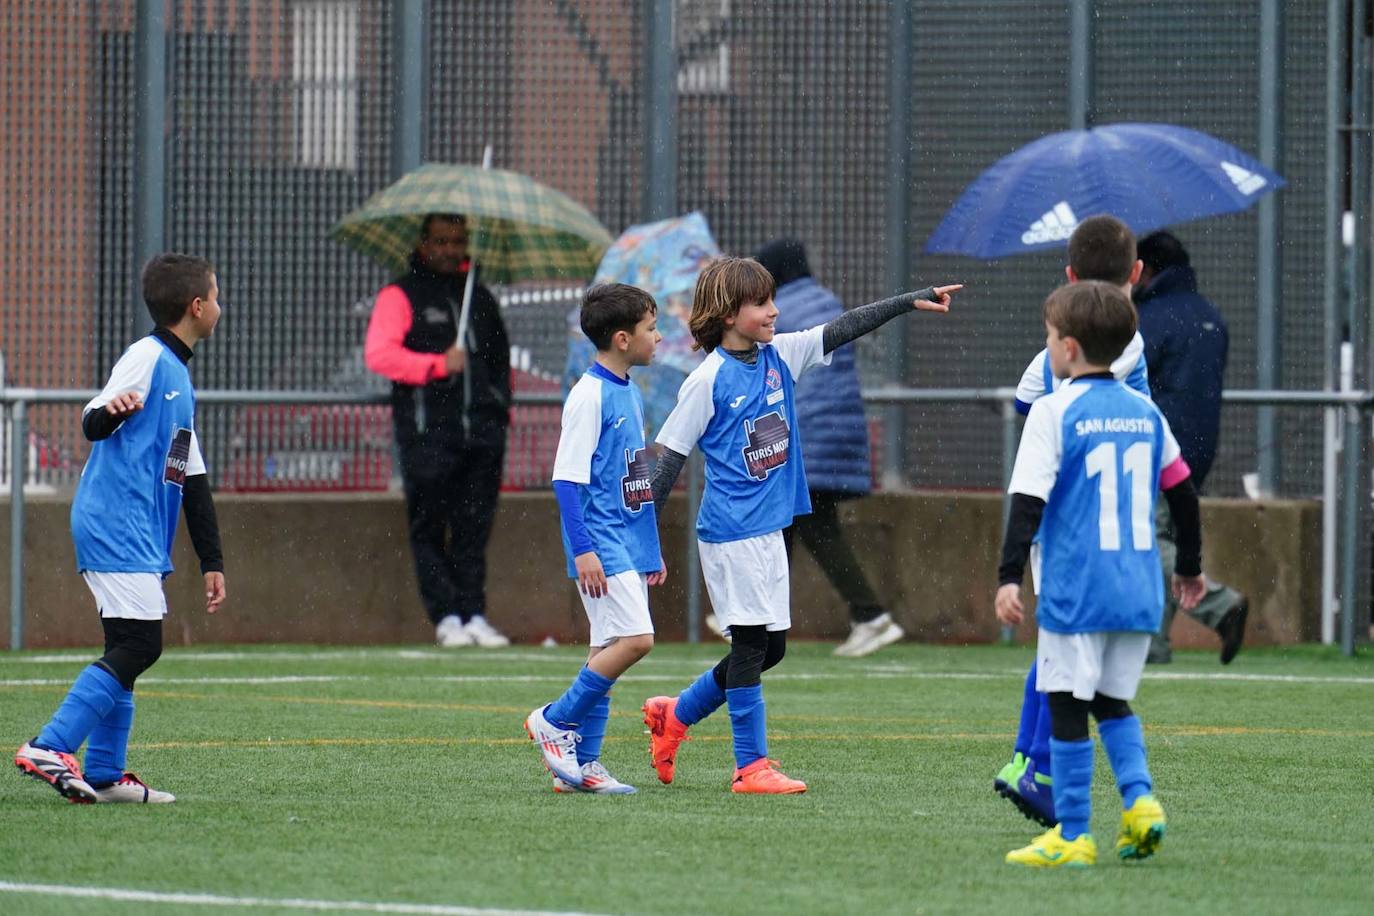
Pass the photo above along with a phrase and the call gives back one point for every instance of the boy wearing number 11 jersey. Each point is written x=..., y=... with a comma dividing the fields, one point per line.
x=1093, y=456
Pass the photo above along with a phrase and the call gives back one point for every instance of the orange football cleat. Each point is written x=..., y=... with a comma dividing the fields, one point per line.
x=665, y=734
x=760, y=778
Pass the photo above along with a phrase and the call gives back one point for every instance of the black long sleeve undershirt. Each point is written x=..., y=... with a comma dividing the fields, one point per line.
x=1022, y=524
x=99, y=424
x=1187, y=517
x=199, y=508
x=665, y=474
x=857, y=322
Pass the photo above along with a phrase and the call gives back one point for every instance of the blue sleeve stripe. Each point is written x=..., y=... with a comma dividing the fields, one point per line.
x=570, y=508
x=1022, y=407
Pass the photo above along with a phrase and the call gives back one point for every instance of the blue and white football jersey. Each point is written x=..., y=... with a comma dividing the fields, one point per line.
x=1097, y=453
x=1038, y=380
x=602, y=447
x=745, y=419
x=124, y=515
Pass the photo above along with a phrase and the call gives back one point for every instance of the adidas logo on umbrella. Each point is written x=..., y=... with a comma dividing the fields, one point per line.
x=1055, y=226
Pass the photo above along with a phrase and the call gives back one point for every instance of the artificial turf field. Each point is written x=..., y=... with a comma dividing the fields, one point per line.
x=400, y=780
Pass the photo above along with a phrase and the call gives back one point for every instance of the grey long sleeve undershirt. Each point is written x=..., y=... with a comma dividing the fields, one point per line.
x=850, y=326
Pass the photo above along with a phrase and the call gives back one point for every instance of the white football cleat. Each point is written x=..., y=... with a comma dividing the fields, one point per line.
x=484, y=634
x=450, y=633
x=595, y=780
x=870, y=636
x=132, y=790
x=558, y=745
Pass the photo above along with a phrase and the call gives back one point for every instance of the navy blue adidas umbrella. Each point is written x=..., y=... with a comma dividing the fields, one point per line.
x=1147, y=175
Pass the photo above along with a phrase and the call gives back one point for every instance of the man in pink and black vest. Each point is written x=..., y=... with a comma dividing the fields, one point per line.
x=451, y=467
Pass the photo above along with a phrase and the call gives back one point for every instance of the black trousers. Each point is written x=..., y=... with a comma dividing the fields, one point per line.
x=821, y=533
x=451, y=489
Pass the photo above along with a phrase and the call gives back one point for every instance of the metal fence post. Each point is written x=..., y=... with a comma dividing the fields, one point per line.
x=1268, y=257
x=409, y=85
x=19, y=452
x=660, y=152
x=1080, y=64
x=896, y=228
x=150, y=148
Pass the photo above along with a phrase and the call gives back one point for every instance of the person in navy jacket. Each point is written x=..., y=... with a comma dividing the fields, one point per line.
x=834, y=439
x=1185, y=350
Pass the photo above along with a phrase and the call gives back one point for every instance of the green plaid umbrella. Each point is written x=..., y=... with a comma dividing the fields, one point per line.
x=523, y=230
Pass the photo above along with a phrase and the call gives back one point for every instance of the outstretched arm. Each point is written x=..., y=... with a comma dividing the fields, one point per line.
x=855, y=323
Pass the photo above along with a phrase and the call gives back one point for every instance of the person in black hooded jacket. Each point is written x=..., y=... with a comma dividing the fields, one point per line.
x=1185, y=352
x=450, y=406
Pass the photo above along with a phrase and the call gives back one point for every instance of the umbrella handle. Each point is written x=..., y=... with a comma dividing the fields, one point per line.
x=466, y=310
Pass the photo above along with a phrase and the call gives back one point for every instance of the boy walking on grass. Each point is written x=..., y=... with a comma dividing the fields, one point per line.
x=739, y=406
x=1093, y=456
x=610, y=533
x=144, y=467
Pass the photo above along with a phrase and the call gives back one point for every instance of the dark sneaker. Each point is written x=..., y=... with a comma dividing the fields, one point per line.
x=1232, y=629
x=59, y=770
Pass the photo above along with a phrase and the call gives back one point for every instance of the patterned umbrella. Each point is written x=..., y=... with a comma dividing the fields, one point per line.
x=523, y=230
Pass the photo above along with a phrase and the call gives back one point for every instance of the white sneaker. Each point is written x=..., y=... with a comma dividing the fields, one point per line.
x=59, y=770
x=596, y=780
x=558, y=745
x=451, y=634
x=870, y=636
x=713, y=624
x=131, y=789
x=484, y=634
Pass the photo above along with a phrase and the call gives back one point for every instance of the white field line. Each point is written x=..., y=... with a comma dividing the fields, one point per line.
x=886, y=673
x=288, y=903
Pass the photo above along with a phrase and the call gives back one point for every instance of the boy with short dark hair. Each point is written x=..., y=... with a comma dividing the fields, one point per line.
x=1092, y=458
x=739, y=406
x=144, y=467
x=610, y=533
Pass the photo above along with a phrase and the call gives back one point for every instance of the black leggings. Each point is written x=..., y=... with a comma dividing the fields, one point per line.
x=131, y=647
x=753, y=650
x=1069, y=714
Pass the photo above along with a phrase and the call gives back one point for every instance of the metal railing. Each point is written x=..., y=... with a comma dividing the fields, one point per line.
x=1344, y=414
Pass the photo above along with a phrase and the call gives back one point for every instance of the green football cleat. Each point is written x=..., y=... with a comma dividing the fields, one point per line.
x=1051, y=850
x=1007, y=777
x=1142, y=829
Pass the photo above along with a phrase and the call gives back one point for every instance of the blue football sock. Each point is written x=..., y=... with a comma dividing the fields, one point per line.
x=1124, y=740
x=1030, y=712
x=593, y=730
x=108, y=744
x=93, y=695
x=1040, y=742
x=1073, y=783
x=572, y=707
x=748, y=723
x=701, y=698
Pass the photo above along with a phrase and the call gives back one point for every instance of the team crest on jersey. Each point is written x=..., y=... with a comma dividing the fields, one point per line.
x=773, y=379
x=634, y=486
x=767, y=442
x=177, y=458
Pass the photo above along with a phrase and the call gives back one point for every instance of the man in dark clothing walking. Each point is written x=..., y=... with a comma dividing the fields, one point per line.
x=833, y=430
x=1185, y=352
x=450, y=405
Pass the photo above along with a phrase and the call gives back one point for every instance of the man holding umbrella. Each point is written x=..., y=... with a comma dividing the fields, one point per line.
x=450, y=403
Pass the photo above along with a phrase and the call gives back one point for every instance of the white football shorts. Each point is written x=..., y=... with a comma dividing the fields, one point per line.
x=1086, y=664
x=622, y=611
x=747, y=581
x=131, y=596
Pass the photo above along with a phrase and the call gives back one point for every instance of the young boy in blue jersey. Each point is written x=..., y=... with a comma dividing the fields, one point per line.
x=610, y=533
x=1093, y=457
x=1101, y=248
x=738, y=405
x=144, y=467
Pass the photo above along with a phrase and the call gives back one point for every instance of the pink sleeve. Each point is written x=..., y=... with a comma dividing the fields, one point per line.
x=385, y=352
x=1174, y=474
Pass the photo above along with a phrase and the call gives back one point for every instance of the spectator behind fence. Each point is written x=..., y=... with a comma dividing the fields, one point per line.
x=834, y=440
x=1185, y=349
x=450, y=464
